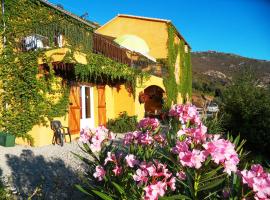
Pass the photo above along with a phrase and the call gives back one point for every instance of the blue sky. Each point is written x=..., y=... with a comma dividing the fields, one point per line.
x=234, y=26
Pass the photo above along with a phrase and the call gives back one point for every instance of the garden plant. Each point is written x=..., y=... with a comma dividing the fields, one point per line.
x=181, y=161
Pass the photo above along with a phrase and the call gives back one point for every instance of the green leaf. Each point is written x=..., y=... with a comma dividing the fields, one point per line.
x=80, y=188
x=206, y=176
x=119, y=188
x=102, y=195
x=236, y=140
x=211, y=184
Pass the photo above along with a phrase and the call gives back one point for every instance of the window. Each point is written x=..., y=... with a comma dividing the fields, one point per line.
x=87, y=103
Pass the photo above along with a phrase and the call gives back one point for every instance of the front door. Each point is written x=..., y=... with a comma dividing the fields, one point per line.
x=74, y=110
x=87, y=107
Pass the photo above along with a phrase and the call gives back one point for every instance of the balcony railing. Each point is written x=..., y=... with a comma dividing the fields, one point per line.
x=108, y=48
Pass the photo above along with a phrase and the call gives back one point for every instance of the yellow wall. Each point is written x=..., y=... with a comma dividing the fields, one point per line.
x=118, y=100
x=124, y=101
x=57, y=55
x=43, y=135
x=154, y=33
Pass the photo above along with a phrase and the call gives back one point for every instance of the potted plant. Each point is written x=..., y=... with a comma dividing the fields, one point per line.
x=7, y=139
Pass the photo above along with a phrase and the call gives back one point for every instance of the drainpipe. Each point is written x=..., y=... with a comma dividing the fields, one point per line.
x=3, y=19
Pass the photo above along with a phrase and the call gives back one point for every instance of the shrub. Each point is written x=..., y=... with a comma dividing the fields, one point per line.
x=123, y=123
x=4, y=195
x=183, y=163
x=246, y=109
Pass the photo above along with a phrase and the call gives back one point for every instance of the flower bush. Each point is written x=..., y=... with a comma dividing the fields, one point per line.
x=179, y=161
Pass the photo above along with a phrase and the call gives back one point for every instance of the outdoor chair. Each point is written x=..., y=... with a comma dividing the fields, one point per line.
x=60, y=132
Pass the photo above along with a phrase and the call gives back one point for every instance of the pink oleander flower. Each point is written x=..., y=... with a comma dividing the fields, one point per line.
x=149, y=167
x=199, y=134
x=223, y=152
x=160, y=138
x=117, y=170
x=141, y=176
x=156, y=178
x=258, y=180
x=180, y=147
x=193, y=158
x=152, y=192
x=145, y=139
x=85, y=136
x=171, y=183
x=110, y=158
x=128, y=138
x=181, y=175
x=131, y=160
x=150, y=124
x=96, y=137
x=185, y=113
x=100, y=173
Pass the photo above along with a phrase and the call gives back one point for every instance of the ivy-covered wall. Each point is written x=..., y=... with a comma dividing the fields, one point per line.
x=177, y=57
x=27, y=17
x=29, y=96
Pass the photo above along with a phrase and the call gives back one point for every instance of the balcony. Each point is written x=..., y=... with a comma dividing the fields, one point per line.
x=108, y=48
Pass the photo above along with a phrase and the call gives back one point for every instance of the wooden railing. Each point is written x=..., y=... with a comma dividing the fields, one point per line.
x=108, y=48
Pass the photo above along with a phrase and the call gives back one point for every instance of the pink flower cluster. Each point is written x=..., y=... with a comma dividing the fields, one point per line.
x=185, y=113
x=99, y=173
x=130, y=159
x=258, y=180
x=143, y=138
x=189, y=158
x=111, y=157
x=197, y=134
x=96, y=137
x=156, y=177
x=223, y=152
x=195, y=144
x=150, y=124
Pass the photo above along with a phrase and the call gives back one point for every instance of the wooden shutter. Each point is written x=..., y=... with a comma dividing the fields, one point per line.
x=101, y=105
x=74, y=109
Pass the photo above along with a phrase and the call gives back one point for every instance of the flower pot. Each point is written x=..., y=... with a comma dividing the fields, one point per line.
x=7, y=140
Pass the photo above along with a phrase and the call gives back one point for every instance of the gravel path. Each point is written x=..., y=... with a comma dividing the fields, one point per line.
x=51, y=171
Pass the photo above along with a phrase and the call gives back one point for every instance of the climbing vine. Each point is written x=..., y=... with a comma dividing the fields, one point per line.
x=32, y=95
x=28, y=97
x=170, y=81
x=101, y=69
x=33, y=17
x=177, y=57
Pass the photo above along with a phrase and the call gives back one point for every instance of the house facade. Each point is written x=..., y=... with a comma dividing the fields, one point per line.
x=165, y=44
x=100, y=68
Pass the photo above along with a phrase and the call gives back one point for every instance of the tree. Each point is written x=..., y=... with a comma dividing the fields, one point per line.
x=246, y=108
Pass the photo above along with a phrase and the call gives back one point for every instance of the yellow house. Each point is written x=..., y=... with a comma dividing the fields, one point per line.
x=129, y=40
x=156, y=33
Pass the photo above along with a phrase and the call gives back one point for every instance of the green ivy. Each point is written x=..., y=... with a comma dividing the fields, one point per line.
x=28, y=17
x=101, y=69
x=185, y=72
x=28, y=98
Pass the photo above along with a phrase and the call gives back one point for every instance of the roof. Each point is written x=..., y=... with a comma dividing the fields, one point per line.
x=157, y=20
x=145, y=18
x=86, y=22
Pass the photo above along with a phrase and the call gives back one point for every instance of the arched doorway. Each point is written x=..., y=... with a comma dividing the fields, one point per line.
x=153, y=102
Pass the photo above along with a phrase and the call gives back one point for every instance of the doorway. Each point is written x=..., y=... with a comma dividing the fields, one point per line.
x=87, y=107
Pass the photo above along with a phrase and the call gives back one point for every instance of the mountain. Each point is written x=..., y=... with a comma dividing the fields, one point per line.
x=212, y=71
x=219, y=68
